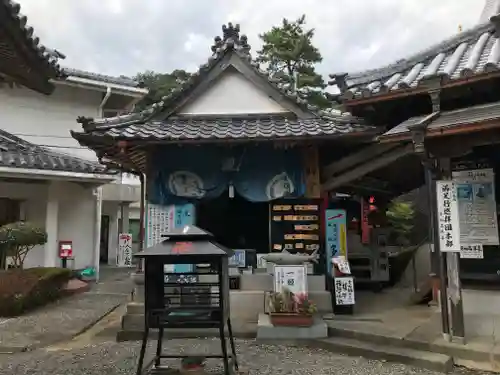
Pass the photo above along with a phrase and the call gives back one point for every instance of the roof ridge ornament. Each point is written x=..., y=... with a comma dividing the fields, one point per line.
x=231, y=38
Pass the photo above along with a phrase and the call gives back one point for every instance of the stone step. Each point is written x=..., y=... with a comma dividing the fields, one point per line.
x=407, y=356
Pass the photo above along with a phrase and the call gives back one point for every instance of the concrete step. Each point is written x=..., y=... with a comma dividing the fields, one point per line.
x=407, y=356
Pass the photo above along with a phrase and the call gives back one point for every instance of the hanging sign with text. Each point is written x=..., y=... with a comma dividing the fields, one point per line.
x=125, y=250
x=336, y=241
x=477, y=206
x=447, y=206
x=296, y=225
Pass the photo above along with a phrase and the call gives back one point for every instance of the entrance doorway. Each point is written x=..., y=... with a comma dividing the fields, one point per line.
x=104, y=246
x=235, y=222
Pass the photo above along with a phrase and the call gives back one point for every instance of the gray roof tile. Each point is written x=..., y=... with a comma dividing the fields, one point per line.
x=18, y=153
x=122, y=80
x=449, y=119
x=248, y=128
x=45, y=56
x=471, y=52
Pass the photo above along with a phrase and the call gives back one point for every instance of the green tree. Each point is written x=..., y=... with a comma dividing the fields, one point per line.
x=401, y=216
x=290, y=56
x=160, y=84
x=17, y=239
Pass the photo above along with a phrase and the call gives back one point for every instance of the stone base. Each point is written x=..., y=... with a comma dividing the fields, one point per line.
x=266, y=331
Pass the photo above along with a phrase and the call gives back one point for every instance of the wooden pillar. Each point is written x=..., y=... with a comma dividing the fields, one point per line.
x=310, y=156
x=453, y=273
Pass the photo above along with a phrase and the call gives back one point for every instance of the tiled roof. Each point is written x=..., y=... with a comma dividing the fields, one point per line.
x=122, y=80
x=155, y=122
x=35, y=56
x=18, y=153
x=243, y=128
x=466, y=54
x=441, y=121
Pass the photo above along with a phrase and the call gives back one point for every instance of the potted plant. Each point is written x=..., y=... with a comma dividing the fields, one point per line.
x=192, y=364
x=289, y=309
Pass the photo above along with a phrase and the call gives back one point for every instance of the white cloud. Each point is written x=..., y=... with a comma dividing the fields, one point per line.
x=127, y=36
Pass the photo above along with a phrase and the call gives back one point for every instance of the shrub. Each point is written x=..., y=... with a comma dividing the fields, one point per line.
x=401, y=216
x=17, y=239
x=23, y=290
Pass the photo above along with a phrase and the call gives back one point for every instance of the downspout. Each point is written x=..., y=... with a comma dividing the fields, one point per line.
x=98, y=219
x=104, y=101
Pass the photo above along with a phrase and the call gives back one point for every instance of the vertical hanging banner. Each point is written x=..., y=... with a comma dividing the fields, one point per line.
x=447, y=207
x=184, y=215
x=477, y=206
x=125, y=250
x=335, y=236
x=365, y=225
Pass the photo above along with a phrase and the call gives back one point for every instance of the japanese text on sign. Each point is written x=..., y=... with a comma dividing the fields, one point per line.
x=344, y=291
x=294, y=278
x=471, y=251
x=125, y=250
x=296, y=227
x=447, y=205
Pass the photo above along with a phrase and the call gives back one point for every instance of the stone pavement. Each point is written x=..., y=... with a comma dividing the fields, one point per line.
x=417, y=328
x=68, y=317
x=111, y=358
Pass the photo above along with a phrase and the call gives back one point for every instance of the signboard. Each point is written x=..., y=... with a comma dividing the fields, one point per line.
x=342, y=264
x=477, y=206
x=238, y=259
x=336, y=241
x=296, y=225
x=292, y=277
x=65, y=249
x=124, y=250
x=344, y=291
x=159, y=220
x=447, y=206
x=471, y=251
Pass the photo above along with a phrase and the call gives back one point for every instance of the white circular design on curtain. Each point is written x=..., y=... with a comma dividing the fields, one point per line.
x=186, y=184
x=280, y=186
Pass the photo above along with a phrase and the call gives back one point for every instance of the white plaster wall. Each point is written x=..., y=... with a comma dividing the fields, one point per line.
x=232, y=93
x=47, y=120
x=76, y=218
x=77, y=223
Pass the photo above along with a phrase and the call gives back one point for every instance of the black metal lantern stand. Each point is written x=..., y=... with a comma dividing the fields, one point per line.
x=195, y=299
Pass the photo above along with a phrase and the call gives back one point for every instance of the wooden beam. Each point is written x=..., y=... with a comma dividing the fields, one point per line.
x=358, y=157
x=364, y=169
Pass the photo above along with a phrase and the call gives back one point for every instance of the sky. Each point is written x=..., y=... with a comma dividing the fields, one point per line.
x=123, y=37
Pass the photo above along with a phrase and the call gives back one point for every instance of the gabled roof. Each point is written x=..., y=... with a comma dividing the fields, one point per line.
x=23, y=58
x=18, y=153
x=471, y=53
x=162, y=122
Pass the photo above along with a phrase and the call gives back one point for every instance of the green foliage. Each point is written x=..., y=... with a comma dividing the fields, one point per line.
x=401, y=216
x=17, y=239
x=290, y=56
x=24, y=290
x=160, y=85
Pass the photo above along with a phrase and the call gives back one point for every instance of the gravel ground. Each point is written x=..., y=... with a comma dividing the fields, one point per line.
x=111, y=358
x=68, y=317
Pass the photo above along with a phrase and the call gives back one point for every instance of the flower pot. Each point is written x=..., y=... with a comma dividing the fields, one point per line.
x=291, y=319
